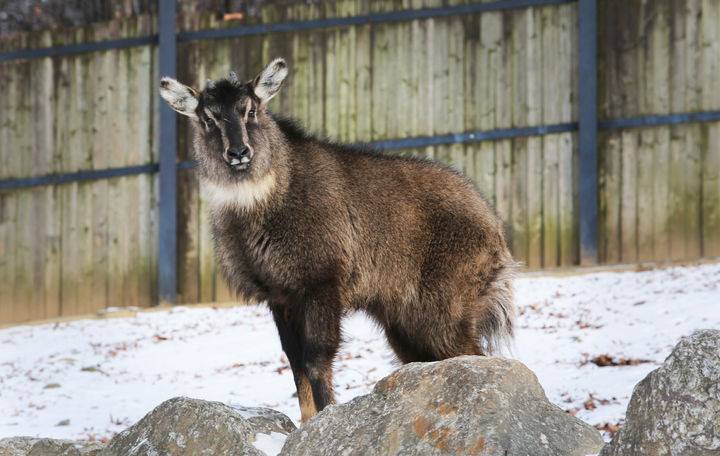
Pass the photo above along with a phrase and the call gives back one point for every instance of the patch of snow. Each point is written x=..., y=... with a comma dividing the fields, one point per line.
x=270, y=444
x=105, y=374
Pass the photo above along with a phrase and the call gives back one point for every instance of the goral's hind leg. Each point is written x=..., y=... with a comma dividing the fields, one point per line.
x=432, y=337
x=407, y=348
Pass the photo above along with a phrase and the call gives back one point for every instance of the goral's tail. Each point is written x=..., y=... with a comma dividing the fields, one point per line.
x=496, y=316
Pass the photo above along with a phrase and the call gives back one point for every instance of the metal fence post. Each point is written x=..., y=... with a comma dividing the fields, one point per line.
x=587, y=182
x=167, y=252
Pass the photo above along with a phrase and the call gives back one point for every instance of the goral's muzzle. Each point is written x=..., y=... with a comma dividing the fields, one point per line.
x=238, y=157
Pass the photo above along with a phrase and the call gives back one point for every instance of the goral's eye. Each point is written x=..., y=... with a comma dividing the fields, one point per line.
x=211, y=117
x=251, y=113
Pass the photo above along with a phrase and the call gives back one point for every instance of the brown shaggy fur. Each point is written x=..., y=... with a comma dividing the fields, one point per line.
x=317, y=229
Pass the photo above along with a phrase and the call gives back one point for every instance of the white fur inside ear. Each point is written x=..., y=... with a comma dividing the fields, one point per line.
x=179, y=96
x=268, y=82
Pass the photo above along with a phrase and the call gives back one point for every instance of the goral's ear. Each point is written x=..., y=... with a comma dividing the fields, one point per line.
x=180, y=97
x=268, y=82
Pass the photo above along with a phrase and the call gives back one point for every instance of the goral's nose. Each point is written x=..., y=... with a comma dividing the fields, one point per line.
x=237, y=155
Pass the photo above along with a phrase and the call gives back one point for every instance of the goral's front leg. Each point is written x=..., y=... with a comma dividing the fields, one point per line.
x=290, y=325
x=323, y=313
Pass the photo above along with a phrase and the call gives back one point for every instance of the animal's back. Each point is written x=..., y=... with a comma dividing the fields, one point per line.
x=425, y=248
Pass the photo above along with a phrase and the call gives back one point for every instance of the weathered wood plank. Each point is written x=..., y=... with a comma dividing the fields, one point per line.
x=515, y=59
x=7, y=200
x=503, y=181
x=201, y=66
x=610, y=185
x=188, y=191
x=8, y=218
x=550, y=202
x=363, y=74
x=693, y=138
x=143, y=108
x=22, y=166
x=658, y=69
x=116, y=91
x=333, y=47
x=485, y=85
x=645, y=195
x=440, y=98
x=567, y=146
x=567, y=227
x=519, y=220
x=455, y=116
x=710, y=100
x=47, y=214
x=678, y=103
x=645, y=144
x=628, y=197
x=77, y=245
x=549, y=37
x=92, y=138
x=531, y=67
x=500, y=109
x=194, y=282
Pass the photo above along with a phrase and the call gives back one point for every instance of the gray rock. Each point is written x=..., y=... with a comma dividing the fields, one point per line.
x=675, y=410
x=183, y=426
x=468, y=405
x=16, y=446
x=32, y=446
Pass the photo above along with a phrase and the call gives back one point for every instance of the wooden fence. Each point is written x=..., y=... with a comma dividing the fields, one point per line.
x=73, y=240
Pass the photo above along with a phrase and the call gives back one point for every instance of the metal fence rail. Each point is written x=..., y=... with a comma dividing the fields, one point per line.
x=587, y=125
x=387, y=145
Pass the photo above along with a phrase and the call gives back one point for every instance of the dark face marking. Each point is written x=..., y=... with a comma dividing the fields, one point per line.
x=234, y=131
x=232, y=140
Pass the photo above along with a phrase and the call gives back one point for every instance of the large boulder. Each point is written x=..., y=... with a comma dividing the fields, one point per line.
x=675, y=410
x=33, y=446
x=183, y=426
x=468, y=405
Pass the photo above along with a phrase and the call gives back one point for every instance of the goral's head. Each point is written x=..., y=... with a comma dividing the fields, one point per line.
x=234, y=131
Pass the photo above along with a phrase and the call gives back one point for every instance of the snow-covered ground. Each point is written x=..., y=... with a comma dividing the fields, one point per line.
x=89, y=379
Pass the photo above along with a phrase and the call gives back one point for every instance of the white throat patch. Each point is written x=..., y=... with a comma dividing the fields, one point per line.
x=241, y=195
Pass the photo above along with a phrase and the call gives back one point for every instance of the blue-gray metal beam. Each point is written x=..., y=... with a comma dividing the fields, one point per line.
x=587, y=183
x=80, y=48
x=389, y=144
x=377, y=18
x=657, y=120
x=78, y=176
x=284, y=27
x=167, y=252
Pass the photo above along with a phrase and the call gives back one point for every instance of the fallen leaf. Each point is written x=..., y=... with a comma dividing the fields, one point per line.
x=607, y=360
x=589, y=404
x=610, y=428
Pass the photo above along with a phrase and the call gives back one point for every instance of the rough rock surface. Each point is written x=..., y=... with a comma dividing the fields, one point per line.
x=467, y=405
x=675, y=410
x=32, y=446
x=183, y=426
